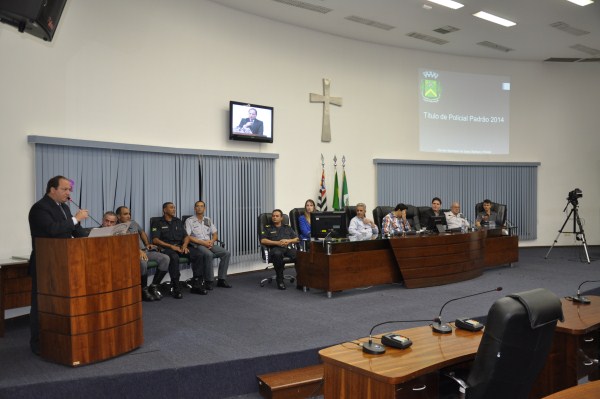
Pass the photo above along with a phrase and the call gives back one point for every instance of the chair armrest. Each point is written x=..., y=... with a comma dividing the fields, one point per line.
x=462, y=385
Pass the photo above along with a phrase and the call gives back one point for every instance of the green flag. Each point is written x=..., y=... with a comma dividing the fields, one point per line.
x=345, y=196
x=336, y=196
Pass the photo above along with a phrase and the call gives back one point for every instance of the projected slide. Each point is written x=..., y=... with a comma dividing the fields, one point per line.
x=463, y=113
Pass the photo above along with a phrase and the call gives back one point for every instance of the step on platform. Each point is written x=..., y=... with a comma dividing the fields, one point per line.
x=301, y=383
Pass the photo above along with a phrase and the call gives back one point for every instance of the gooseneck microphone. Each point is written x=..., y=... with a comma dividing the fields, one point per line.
x=378, y=349
x=444, y=328
x=77, y=205
x=583, y=299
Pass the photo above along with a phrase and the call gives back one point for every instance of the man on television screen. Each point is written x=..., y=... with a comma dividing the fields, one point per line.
x=251, y=124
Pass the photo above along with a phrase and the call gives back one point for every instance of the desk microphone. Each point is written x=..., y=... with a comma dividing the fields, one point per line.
x=583, y=299
x=378, y=349
x=445, y=328
x=77, y=205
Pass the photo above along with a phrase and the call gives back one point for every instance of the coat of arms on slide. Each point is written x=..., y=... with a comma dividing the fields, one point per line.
x=430, y=87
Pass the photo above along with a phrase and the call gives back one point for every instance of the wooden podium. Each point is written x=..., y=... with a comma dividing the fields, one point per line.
x=89, y=298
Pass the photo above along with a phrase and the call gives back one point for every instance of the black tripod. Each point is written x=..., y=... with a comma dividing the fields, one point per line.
x=579, y=235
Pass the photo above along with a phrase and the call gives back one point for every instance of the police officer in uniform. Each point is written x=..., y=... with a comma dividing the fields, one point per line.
x=280, y=238
x=169, y=234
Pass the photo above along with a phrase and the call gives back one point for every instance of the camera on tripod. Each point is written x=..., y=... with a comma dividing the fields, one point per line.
x=574, y=196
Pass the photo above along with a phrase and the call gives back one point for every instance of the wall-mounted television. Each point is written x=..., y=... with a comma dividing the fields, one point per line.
x=328, y=224
x=250, y=122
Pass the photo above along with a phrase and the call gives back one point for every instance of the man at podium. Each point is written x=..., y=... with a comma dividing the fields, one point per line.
x=50, y=217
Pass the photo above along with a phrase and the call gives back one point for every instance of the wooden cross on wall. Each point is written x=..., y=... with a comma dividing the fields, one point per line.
x=326, y=99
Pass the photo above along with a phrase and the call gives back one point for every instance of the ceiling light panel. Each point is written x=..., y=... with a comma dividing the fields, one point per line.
x=495, y=19
x=582, y=3
x=448, y=3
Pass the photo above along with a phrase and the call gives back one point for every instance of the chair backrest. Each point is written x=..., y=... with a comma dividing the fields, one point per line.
x=500, y=209
x=379, y=213
x=263, y=220
x=412, y=215
x=350, y=213
x=294, y=215
x=515, y=345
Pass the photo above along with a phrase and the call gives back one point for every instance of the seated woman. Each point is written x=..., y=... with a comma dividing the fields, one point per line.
x=487, y=217
x=360, y=225
x=304, y=219
x=395, y=222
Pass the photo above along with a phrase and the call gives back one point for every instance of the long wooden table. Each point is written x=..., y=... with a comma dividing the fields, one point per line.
x=575, y=346
x=591, y=390
x=418, y=260
x=414, y=372
x=15, y=287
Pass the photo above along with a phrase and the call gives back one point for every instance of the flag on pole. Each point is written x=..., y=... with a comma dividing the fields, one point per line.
x=322, y=198
x=345, y=196
x=336, y=197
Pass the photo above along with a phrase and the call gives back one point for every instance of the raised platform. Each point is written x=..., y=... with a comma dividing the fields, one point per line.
x=215, y=346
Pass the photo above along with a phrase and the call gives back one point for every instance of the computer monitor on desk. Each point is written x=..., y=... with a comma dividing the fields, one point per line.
x=434, y=222
x=328, y=224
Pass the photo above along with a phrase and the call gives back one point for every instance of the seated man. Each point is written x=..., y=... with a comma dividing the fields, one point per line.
x=147, y=252
x=361, y=225
x=109, y=219
x=428, y=217
x=487, y=217
x=169, y=234
x=455, y=219
x=280, y=238
x=395, y=222
x=203, y=233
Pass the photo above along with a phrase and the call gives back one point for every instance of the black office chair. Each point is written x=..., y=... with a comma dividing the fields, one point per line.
x=263, y=220
x=350, y=213
x=500, y=210
x=412, y=215
x=379, y=213
x=294, y=215
x=514, y=346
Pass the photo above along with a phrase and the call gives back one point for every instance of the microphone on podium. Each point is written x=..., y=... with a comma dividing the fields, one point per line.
x=373, y=348
x=77, y=205
x=444, y=328
x=583, y=299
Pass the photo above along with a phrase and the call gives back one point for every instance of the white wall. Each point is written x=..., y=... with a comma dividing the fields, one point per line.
x=162, y=73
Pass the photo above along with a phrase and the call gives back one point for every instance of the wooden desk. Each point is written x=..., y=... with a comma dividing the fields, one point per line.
x=575, y=345
x=419, y=261
x=413, y=373
x=15, y=287
x=591, y=390
x=425, y=261
x=409, y=373
x=349, y=264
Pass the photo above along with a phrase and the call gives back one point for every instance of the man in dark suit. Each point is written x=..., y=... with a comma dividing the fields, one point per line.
x=251, y=124
x=50, y=217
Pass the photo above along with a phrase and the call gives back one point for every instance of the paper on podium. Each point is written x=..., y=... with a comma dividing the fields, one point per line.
x=116, y=230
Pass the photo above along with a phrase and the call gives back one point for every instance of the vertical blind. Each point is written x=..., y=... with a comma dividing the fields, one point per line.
x=417, y=182
x=104, y=179
x=236, y=188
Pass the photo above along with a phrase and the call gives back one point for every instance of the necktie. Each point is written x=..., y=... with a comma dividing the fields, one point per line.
x=63, y=211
